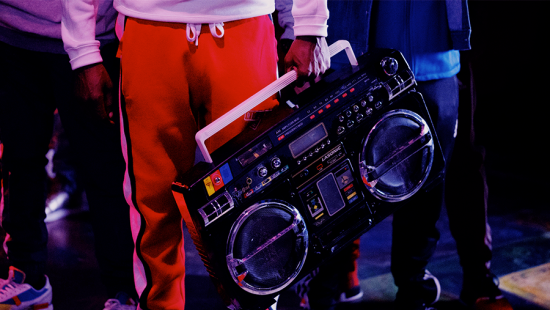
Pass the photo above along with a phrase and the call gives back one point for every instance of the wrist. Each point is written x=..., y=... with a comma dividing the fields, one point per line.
x=311, y=39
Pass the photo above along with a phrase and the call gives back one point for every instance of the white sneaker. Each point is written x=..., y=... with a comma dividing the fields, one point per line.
x=17, y=295
x=120, y=302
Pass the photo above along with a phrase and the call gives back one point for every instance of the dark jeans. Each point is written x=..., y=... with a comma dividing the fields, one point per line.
x=32, y=86
x=415, y=235
x=466, y=192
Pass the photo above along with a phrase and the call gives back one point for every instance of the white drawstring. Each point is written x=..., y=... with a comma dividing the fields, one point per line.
x=193, y=31
x=214, y=28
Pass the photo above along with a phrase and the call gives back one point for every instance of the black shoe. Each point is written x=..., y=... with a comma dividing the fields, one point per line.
x=420, y=294
x=483, y=294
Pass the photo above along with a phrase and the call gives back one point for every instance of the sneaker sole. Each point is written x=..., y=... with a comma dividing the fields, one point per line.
x=352, y=299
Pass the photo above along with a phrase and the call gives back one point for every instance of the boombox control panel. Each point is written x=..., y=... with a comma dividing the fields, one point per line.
x=275, y=204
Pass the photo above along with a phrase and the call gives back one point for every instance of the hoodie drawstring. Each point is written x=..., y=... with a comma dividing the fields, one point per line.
x=193, y=31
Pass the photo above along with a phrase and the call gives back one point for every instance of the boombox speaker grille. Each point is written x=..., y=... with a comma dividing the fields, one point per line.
x=397, y=156
x=267, y=247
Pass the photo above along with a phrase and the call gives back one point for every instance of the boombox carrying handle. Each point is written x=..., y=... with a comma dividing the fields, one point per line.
x=258, y=98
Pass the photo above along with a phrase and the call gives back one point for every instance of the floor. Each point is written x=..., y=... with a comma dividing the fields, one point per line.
x=519, y=217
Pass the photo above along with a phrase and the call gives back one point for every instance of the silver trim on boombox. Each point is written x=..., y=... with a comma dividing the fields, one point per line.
x=416, y=144
x=298, y=226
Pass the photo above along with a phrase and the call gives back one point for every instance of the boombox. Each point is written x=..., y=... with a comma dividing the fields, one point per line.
x=275, y=203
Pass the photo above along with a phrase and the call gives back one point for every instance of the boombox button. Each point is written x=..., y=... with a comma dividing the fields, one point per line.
x=355, y=108
x=350, y=123
x=378, y=105
x=348, y=113
x=340, y=130
x=341, y=118
x=363, y=103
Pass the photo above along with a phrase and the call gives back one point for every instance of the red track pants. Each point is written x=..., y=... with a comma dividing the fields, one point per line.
x=171, y=88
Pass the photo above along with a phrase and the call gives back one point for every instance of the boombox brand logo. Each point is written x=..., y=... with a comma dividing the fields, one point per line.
x=332, y=152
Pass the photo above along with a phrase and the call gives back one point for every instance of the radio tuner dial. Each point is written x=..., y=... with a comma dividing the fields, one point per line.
x=262, y=171
x=389, y=65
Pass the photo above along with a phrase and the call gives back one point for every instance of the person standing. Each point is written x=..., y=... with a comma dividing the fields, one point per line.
x=430, y=35
x=183, y=65
x=36, y=79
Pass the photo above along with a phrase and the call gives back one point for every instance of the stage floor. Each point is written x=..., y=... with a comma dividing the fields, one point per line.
x=521, y=239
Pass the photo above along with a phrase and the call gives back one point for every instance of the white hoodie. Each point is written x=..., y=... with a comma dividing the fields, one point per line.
x=78, y=21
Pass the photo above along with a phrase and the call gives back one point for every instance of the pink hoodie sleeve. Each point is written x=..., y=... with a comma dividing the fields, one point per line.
x=78, y=24
x=310, y=17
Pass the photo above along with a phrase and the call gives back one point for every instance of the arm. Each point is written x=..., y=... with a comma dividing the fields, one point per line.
x=93, y=86
x=285, y=19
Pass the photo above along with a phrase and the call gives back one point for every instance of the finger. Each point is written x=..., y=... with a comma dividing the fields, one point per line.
x=108, y=106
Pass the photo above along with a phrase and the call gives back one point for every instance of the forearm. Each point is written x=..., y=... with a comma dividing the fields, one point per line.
x=78, y=24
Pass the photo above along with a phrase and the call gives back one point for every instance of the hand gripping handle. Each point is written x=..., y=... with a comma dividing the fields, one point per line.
x=258, y=98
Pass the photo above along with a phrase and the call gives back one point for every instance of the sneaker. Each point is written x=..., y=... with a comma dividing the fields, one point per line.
x=420, y=294
x=434, y=292
x=484, y=294
x=121, y=302
x=17, y=295
x=352, y=295
x=274, y=306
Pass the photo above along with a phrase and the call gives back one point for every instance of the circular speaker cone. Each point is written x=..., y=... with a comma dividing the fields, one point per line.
x=397, y=156
x=267, y=247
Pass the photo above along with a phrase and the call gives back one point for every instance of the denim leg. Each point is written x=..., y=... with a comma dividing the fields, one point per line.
x=101, y=167
x=415, y=235
x=26, y=122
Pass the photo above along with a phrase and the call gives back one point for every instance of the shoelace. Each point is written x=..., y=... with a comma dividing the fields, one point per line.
x=193, y=31
x=8, y=288
x=114, y=304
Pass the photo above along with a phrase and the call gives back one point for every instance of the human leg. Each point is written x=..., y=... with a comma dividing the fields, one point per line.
x=415, y=235
x=466, y=173
x=101, y=167
x=160, y=120
x=26, y=120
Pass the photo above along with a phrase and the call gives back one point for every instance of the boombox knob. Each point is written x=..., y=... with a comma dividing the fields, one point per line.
x=275, y=163
x=262, y=171
x=389, y=65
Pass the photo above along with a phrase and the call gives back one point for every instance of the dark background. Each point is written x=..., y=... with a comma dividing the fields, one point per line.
x=510, y=52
